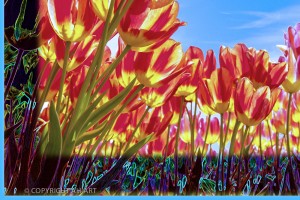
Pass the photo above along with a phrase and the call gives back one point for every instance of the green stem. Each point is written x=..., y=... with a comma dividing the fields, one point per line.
x=83, y=98
x=277, y=158
x=177, y=142
x=52, y=75
x=63, y=76
x=289, y=167
x=102, y=46
x=119, y=14
x=105, y=131
x=105, y=76
x=260, y=147
x=226, y=132
x=111, y=123
x=206, y=134
x=243, y=137
x=223, y=146
x=287, y=125
x=220, y=157
x=231, y=151
x=270, y=133
x=136, y=128
x=193, y=129
x=107, y=72
x=164, y=162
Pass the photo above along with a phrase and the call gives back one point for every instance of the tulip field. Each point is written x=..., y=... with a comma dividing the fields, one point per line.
x=154, y=119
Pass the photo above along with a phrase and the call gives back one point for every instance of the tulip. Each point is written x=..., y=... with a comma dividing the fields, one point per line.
x=125, y=70
x=291, y=85
x=72, y=20
x=100, y=7
x=213, y=131
x=156, y=123
x=208, y=67
x=172, y=106
x=262, y=145
x=76, y=80
x=296, y=108
x=162, y=146
x=185, y=129
x=80, y=52
x=292, y=56
x=236, y=60
x=263, y=72
x=279, y=121
x=157, y=68
x=22, y=33
x=155, y=97
x=47, y=51
x=145, y=28
x=282, y=101
x=123, y=127
x=216, y=91
x=253, y=105
x=194, y=57
x=158, y=4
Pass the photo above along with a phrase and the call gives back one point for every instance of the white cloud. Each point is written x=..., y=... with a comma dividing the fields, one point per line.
x=270, y=18
x=267, y=28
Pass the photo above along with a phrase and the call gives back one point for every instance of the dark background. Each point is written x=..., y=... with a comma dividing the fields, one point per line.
x=11, y=12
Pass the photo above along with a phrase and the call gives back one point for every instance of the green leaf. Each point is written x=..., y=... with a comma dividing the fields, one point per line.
x=108, y=107
x=10, y=55
x=30, y=61
x=90, y=134
x=85, y=115
x=19, y=21
x=55, y=137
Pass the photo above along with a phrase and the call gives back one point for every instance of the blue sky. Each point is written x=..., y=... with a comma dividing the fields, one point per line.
x=259, y=24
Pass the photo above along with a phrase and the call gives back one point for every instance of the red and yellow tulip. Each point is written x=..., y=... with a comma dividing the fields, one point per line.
x=236, y=60
x=263, y=72
x=216, y=91
x=193, y=57
x=80, y=51
x=157, y=68
x=292, y=57
x=72, y=20
x=253, y=105
x=145, y=28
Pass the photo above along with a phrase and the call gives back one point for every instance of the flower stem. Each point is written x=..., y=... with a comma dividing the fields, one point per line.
x=177, y=143
x=82, y=98
x=136, y=128
x=231, y=151
x=52, y=75
x=119, y=14
x=193, y=129
x=289, y=167
x=206, y=134
x=243, y=137
x=63, y=76
x=226, y=132
x=220, y=157
x=105, y=76
x=287, y=126
x=162, y=176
